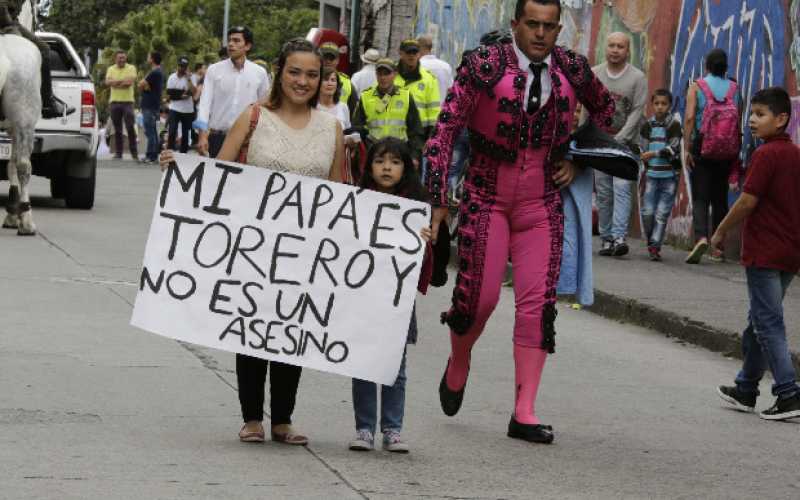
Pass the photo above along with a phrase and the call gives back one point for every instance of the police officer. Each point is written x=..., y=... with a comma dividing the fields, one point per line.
x=386, y=110
x=330, y=59
x=52, y=107
x=420, y=82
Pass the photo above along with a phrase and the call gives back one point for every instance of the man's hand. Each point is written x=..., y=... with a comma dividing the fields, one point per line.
x=202, y=143
x=439, y=215
x=648, y=155
x=689, y=160
x=565, y=174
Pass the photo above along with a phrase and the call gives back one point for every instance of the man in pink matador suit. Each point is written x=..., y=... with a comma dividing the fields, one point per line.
x=517, y=95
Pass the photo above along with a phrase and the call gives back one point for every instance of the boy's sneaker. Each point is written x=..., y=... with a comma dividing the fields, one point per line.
x=606, y=248
x=620, y=248
x=717, y=256
x=394, y=443
x=783, y=409
x=654, y=254
x=740, y=401
x=364, y=441
x=697, y=252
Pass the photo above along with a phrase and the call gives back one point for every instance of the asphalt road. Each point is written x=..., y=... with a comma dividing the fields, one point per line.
x=91, y=407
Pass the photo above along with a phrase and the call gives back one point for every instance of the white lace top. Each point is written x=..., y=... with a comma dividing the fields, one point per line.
x=308, y=151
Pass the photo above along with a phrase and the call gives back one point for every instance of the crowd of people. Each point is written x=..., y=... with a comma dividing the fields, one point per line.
x=398, y=125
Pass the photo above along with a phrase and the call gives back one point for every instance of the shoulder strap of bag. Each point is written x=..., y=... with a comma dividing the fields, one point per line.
x=255, y=114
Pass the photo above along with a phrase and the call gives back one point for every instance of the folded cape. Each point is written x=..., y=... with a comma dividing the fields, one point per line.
x=590, y=147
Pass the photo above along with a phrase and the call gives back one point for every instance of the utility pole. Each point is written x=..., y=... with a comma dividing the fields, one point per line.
x=225, y=23
x=355, y=34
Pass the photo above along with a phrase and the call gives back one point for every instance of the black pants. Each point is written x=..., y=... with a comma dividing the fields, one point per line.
x=251, y=374
x=185, y=121
x=215, y=141
x=709, y=190
x=123, y=111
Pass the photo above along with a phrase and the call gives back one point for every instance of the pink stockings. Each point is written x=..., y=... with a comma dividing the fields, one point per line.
x=519, y=228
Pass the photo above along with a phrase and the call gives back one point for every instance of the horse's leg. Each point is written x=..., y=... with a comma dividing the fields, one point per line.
x=24, y=140
x=12, y=206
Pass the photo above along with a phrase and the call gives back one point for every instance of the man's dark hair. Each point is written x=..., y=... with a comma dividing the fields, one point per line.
x=520, y=8
x=246, y=33
x=774, y=98
x=663, y=93
x=156, y=57
x=119, y=51
x=717, y=62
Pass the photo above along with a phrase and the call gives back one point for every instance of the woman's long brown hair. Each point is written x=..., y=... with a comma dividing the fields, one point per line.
x=293, y=46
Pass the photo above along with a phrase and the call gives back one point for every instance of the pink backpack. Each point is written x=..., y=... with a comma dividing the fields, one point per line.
x=719, y=128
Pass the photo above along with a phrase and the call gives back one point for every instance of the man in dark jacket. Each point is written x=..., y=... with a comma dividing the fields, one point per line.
x=52, y=106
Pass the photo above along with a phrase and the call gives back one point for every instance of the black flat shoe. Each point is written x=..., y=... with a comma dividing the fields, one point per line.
x=450, y=400
x=533, y=433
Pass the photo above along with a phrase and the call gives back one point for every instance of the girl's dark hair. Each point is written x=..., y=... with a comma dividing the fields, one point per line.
x=293, y=46
x=717, y=62
x=409, y=186
x=326, y=72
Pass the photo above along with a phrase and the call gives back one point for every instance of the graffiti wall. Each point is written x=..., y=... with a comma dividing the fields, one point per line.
x=669, y=39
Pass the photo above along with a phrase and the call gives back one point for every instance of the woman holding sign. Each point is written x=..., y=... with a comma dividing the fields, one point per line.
x=287, y=134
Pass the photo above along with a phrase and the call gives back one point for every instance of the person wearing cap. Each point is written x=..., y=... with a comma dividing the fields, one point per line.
x=365, y=77
x=330, y=59
x=181, y=107
x=229, y=87
x=440, y=69
x=420, y=82
x=386, y=110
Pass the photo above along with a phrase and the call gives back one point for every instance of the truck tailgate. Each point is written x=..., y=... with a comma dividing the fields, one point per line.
x=68, y=91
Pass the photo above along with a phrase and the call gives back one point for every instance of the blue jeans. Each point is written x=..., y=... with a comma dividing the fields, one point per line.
x=393, y=402
x=764, y=341
x=459, y=160
x=150, y=125
x=659, y=196
x=613, y=205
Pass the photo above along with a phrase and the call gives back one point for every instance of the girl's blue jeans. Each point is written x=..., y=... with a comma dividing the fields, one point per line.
x=393, y=401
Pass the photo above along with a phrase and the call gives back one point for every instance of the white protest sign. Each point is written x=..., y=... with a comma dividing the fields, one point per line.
x=282, y=267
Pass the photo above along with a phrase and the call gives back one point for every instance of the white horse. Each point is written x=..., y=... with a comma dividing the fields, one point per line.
x=21, y=104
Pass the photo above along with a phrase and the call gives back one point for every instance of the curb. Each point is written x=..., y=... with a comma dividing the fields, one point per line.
x=672, y=325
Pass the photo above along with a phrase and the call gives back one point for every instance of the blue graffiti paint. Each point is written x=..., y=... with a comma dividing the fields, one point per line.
x=750, y=31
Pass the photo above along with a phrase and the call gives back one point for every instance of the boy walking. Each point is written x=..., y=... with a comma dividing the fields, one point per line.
x=662, y=147
x=770, y=209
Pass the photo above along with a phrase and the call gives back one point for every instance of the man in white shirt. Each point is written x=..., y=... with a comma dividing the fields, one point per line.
x=229, y=87
x=440, y=69
x=181, y=107
x=365, y=77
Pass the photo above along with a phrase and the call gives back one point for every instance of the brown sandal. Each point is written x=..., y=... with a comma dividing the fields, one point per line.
x=246, y=436
x=288, y=437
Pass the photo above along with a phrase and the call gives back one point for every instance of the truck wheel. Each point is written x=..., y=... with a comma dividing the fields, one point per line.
x=58, y=186
x=79, y=192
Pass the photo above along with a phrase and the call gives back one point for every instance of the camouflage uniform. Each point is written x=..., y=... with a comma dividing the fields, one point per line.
x=9, y=12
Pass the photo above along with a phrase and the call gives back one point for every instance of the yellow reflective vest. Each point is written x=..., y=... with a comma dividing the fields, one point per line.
x=426, y=96
x=386, y=116
x=347, y=88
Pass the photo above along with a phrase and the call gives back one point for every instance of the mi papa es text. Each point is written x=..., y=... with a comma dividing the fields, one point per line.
x=280, y=274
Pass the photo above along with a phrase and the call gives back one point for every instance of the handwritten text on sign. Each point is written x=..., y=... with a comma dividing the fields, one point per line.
x=282, y=267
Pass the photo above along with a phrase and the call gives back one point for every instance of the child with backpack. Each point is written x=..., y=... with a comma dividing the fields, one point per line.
x=769, y=208
x=712, y=137
x=662, y=135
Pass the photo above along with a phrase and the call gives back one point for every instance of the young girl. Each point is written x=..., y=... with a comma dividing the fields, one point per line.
x=390, y=170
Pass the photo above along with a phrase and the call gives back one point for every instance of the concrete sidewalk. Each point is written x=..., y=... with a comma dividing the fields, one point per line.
x=705, y=304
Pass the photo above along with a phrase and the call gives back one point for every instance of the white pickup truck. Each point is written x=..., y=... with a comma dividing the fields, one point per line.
x=66, y=147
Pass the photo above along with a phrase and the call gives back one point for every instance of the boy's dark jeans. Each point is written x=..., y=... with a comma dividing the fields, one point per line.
x=764, y=341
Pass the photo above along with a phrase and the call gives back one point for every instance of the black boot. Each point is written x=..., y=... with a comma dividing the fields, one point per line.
x=450, y=400
x=533, y=433
x=52, y=106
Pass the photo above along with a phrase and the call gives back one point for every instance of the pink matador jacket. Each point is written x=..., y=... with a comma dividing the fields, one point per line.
x=487, y=97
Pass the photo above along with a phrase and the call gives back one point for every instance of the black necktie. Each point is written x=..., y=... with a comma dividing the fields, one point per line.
x=535, y=94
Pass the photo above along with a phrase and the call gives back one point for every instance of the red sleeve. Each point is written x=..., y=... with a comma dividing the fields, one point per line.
x=759, y=174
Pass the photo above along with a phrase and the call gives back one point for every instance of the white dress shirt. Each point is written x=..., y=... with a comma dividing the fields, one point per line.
x=441, y=70
x=364, y=78
x=525, y=65
x=180, y=83
x=227, y=92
